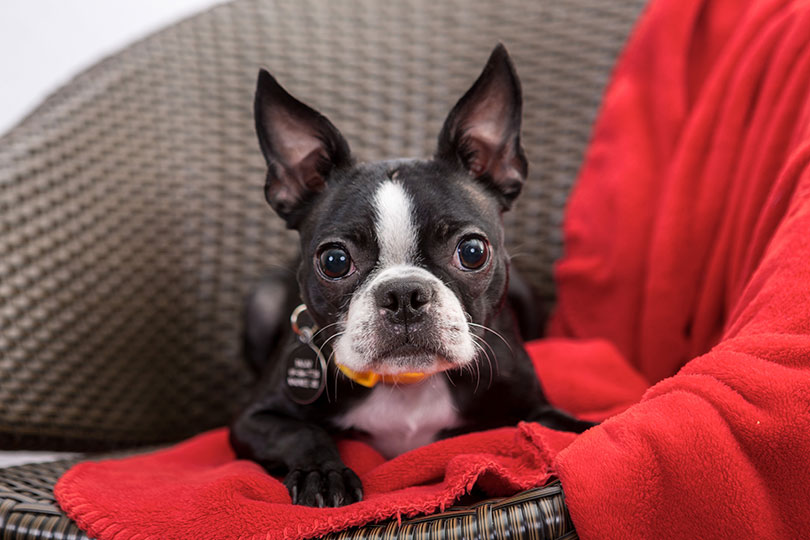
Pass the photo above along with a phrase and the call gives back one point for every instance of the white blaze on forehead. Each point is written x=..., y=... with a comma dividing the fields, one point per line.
x=394, y=224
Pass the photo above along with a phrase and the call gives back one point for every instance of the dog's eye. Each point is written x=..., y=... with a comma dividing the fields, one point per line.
x=472, y=252
x=334, y=262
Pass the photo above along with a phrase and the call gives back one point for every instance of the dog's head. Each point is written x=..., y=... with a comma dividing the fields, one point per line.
x=404, y=257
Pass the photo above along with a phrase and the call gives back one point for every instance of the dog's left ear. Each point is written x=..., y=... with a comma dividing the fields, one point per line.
x=482, y=131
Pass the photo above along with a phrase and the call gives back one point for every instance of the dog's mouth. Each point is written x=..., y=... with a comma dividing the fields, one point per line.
x=409, y=358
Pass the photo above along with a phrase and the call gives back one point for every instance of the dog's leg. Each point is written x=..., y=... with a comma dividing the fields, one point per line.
x=268, y=431
x=315, y=473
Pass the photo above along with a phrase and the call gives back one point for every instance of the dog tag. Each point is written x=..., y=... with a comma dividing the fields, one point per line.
x=305, y=371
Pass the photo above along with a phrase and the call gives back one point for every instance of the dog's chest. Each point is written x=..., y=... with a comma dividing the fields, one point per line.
x=401, y=418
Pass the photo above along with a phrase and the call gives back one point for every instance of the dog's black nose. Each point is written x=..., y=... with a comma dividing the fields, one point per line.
x=404, y=301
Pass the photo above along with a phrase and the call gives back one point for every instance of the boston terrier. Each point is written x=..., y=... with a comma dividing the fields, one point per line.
x=405, y=334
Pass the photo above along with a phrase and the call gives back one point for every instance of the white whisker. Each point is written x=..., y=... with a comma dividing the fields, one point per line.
x=477, y=368
x=489, y=360
x=332, y=337
x=496, y=334
x=494, y=354
x=316, y=334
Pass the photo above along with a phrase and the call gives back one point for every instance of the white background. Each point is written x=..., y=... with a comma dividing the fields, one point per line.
x=44, y=43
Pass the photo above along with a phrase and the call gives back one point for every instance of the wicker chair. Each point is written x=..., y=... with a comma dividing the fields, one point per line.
x=132, y=220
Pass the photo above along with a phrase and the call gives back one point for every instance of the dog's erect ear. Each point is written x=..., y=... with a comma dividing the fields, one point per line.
x=300, y=145
x=482, y=131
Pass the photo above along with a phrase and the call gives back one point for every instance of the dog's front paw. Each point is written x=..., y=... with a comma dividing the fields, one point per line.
x=324, y=485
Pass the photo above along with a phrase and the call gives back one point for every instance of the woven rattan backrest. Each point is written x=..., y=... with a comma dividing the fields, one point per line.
x=132, y=219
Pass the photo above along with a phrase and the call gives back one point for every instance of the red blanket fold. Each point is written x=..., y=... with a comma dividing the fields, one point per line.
x=687, y=266
x=197, y=490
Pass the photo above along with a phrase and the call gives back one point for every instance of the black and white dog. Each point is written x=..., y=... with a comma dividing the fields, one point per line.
x=403, y=269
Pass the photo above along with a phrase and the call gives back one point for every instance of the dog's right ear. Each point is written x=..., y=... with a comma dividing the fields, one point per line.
x=300, y=145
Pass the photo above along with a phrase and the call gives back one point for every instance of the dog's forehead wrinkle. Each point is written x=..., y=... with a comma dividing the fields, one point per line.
x=450, y=204
x=346, y=216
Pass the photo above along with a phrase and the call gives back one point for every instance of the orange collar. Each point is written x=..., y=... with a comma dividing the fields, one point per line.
x=369, y=378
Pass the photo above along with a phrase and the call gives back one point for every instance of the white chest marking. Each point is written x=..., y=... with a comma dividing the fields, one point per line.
x=401, y=418
x=394, y=224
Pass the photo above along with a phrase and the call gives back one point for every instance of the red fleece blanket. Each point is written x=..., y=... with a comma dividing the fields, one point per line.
x=197, y=490
x=688, y=247
x=687, y=267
